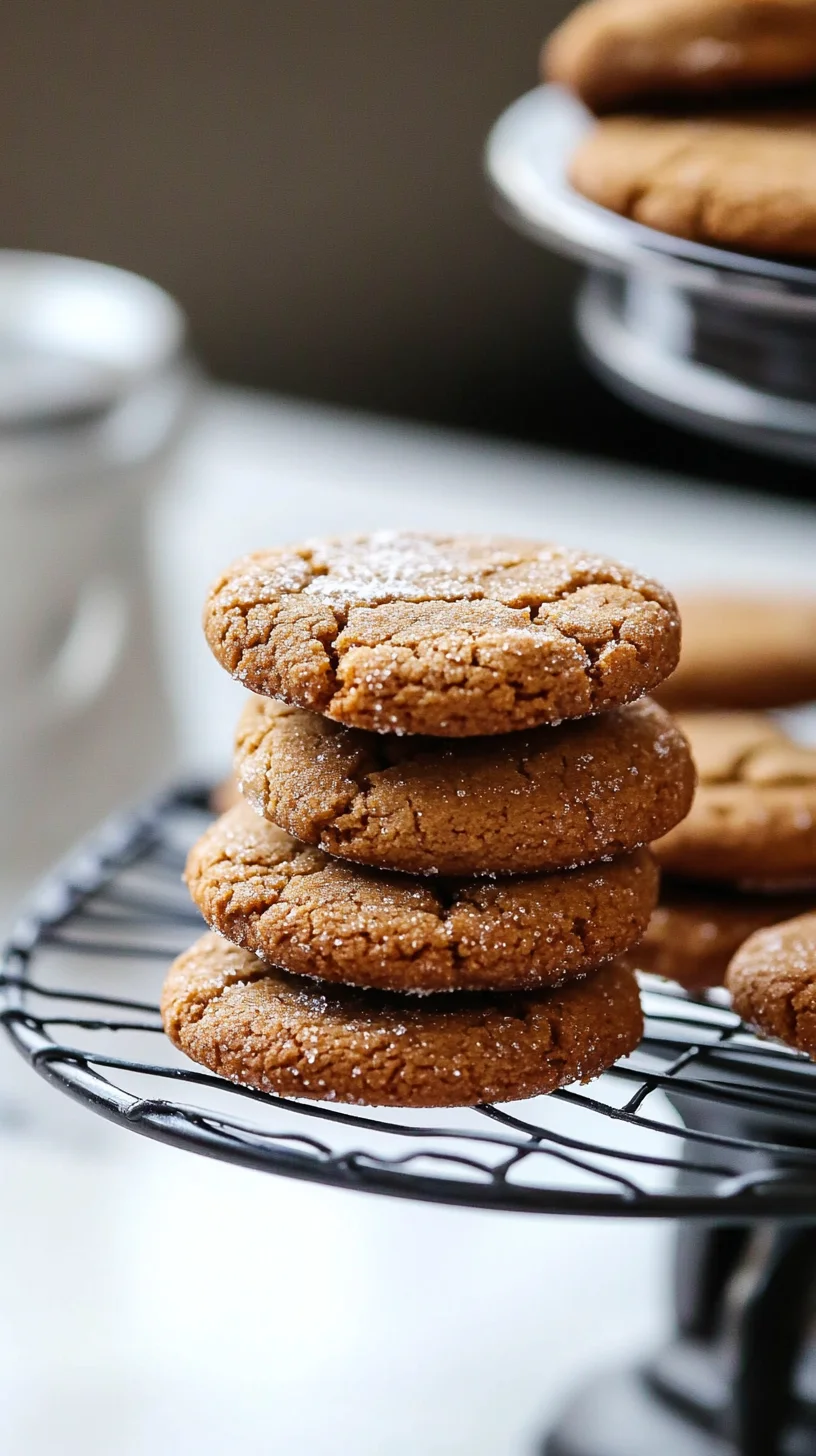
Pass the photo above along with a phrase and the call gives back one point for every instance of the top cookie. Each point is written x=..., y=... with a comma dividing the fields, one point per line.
x=744, y=651
x=739, y=181
x=612, y=52
x=452, y=636
x=753, y=820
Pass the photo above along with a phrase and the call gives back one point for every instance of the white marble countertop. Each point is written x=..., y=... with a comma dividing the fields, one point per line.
x=155, y=1302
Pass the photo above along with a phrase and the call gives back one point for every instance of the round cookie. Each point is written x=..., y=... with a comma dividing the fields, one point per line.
x=695, y=930
x=743, y=650
x=746, y=182
x=611, y=52
x=453, y=636
x=772, y=980
x=753, y=820
x=547, y=799
x=316, y=916
x=257, y=1025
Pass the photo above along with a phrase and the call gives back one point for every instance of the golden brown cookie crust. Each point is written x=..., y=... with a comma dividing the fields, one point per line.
x=261, y=1027
x=453, y=636
x=317, y=916
x=611, y=52
x=746, y=182
x=772, y=980
x=695, y=930
x=547, y=799
x=753, y=820
x=744, y=651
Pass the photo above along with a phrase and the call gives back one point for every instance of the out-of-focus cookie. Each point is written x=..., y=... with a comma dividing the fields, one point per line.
x=696, y=929
x=745, y=651
x=225, y=795
x=547, y=799
x=453, y=636
x=741, y=181
x=772, y=980
x=753, y=820
x=317, y=916
x=261, y=1027
x=612, y=52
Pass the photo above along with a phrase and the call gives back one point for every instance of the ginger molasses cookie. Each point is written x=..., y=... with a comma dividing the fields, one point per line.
x=744, y=650
x=448, y=635
x=753, y=820
x=318, y=916
x=545, y=799
x=746, y=182
x=279, y=1033
x=612, y=52
x=696, y=929
x=772, y=980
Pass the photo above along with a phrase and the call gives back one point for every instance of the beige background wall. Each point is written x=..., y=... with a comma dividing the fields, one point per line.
x=304, y=176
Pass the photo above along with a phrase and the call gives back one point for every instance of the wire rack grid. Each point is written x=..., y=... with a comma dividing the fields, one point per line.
x=703, y=1120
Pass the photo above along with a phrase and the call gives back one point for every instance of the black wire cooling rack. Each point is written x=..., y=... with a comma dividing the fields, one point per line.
x=703, y=1120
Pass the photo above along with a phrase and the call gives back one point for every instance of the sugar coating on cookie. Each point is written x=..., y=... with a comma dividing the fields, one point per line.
x=753, y=820
x=610, y=52
x=744, y=650
x=261, y=1027
x=696, y=929
x=452, y=636
x=772, y=980
x=320, y=917
x=746, y=182
x=549, y=798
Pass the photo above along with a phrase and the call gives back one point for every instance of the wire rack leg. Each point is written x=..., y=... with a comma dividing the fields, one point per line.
x=729, y=1384
x=705, y=1259
x=775, y=1297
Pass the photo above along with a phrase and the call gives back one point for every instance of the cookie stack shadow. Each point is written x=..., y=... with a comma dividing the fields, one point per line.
x=427, y=889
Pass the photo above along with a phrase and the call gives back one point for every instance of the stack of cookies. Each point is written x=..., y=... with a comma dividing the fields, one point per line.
x=718, y=142
x=745, y=858
x=423, y=895
x=738, y=896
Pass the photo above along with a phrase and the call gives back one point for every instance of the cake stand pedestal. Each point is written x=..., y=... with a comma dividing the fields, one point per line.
x=720, y=342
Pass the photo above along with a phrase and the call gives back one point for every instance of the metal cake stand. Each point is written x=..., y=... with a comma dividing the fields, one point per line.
x=704, y=1122
x=720, y=342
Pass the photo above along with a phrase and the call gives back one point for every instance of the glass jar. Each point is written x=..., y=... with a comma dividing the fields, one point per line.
x=95, y=391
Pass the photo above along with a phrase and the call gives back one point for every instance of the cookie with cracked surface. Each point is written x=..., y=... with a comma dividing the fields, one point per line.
x=746, y=182
x=612, y=52
x=317, y=916
x=753, y=820
x=545, y=799
x=772, y=980
x=696, y=929
x=451, y=636
x=744, y=650
x=262, y=1027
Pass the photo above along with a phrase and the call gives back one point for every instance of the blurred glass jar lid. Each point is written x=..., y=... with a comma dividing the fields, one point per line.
x=77, y=337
